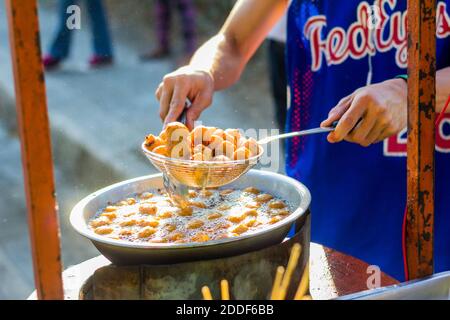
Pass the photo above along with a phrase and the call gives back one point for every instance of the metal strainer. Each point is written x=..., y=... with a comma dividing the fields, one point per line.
x=213, y=174
x=201, y=174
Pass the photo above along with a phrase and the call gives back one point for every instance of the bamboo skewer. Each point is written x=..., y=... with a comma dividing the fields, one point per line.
x=206, y=293
x=292, y=263
x=224, y=288
x=303, y=285
x=281, y=281
x=277, y=283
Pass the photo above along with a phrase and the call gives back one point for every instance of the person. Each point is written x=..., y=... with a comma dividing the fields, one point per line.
x=276, y=42
x=163, y=19
x=341, y=66
x=101, y=39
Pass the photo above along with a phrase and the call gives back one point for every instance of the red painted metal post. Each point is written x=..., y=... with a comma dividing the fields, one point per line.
x=421, y=136
x=36, y=147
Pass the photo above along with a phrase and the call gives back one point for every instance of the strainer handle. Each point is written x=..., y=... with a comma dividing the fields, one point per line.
x=182, y=117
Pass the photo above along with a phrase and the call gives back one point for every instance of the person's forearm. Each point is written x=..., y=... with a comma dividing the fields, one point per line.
x=225, y=55
x=442, y=88
x=218, y=57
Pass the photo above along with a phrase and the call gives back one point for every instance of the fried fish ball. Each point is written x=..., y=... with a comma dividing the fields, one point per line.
x=198, y=204
x=126, y=232
x=252, y=223
x=225, y=192
x=228, y=137
x=236, y=217
x=148, y=208
x=283, y=212
x=102, y=221
x=110, y=215
x=252, y=190
x=241, y=142
x=129, y=213
x=170, y=227
x=128, y=223
x=148, y=223
x=216, y=143
x=250, y=212
x=175, y=132
x=207, y=154
x=276, y=204
x=165, y=214
x=195, y=224
x=240, y=229
x=123, y=203
x=235, y=133
x=214, y=215
x=219, y=132
x=252, y=145
x=146, y=195
x=110, y=209
x=180, y=150
x=192, y=193
x=201, y=135
x=223, y=225
x=223, y=207
x=264, y=197
x=131, y=201
x=242, y=153
x=151, y=142
x=275, y=219
x=200, y=237
x=161, y=150
x=146, y=232
x=199, y=148
x=176, y=236
x=228, y=149
x=103, y=230
x=185, y=212
x=253, y=205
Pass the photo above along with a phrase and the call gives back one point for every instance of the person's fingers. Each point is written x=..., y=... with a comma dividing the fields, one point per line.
x=177, y=102
x=359, y=133
x=200, y=103
x=159, y=91
x=375, y=133
x=385, y=133
x=164, y=102
x=337, y=112
x=349, y=120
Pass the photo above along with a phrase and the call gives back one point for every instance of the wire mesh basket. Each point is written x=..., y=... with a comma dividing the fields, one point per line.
x=202, y=174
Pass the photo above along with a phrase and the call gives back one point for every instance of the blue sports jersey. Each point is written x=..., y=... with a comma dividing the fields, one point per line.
x=358, y=194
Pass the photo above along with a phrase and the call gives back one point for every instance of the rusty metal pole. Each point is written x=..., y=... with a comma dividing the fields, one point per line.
x=421, y=136
x=37, y=160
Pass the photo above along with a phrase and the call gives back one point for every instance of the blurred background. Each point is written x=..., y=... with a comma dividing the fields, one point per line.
x=101, y=109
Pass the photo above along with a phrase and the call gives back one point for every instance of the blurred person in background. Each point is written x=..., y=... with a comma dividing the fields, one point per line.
x=101, y=39
x=277, y=70
x=164, y=9
x=340, y=67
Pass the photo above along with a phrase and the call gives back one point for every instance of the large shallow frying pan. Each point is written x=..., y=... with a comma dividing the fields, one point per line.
x=123, y=252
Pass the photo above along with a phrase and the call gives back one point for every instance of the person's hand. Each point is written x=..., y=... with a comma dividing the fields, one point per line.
x=370, y=114
x=196, y=85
